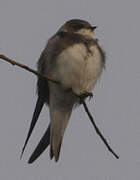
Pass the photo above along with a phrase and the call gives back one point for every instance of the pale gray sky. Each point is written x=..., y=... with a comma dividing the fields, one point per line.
x=25, y=27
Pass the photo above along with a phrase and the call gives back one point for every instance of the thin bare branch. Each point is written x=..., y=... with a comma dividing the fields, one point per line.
x=98, y=130
x=13, y=62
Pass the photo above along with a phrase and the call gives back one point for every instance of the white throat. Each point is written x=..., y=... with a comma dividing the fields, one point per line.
x=86, y=32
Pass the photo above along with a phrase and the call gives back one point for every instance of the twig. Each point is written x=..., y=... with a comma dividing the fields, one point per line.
x=13, y=62
x=98, y=130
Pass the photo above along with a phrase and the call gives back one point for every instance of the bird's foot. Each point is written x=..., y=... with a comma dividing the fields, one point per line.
x=85, y=95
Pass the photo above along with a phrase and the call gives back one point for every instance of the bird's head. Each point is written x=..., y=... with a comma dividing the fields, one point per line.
x=80, y=27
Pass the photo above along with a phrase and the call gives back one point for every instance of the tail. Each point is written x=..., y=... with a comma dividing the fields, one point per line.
x=59, y=115
x=39, y=104
x=43, y=144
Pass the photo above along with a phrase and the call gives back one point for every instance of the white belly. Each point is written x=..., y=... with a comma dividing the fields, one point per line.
x=79, y=69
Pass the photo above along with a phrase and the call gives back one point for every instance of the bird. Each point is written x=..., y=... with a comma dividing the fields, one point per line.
x=74, y=58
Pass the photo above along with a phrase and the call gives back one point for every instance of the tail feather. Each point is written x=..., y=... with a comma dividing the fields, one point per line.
x=56, y=152
x=43, y=144
x=38, y=108
x=51, y=153
x=59, y=122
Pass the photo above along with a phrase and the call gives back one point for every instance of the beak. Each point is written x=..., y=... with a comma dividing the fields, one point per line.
x=93, y=28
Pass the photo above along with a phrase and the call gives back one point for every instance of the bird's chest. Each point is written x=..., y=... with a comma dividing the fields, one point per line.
x=79, y=64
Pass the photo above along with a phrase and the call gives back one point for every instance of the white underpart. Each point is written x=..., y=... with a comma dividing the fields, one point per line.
x=78, y=69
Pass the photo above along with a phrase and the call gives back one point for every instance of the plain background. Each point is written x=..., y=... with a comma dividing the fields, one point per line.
x=25, y=27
